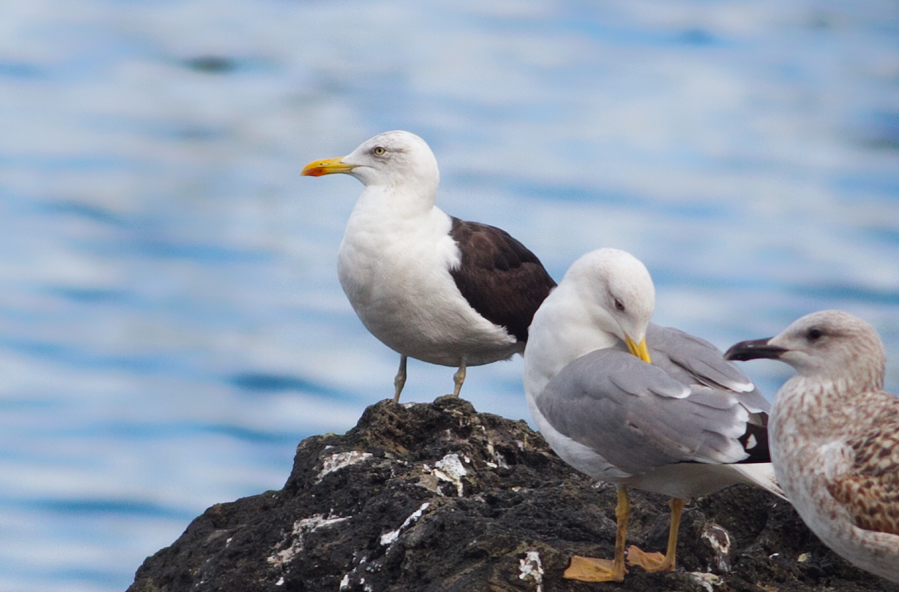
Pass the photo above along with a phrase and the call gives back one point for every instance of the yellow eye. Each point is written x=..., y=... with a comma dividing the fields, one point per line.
x=379, y=150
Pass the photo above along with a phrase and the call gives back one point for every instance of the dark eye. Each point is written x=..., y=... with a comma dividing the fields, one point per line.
x=379, y=150
x=619, y=304
x=814, y=334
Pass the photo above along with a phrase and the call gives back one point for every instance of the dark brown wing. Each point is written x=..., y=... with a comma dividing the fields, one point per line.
x=501, y=279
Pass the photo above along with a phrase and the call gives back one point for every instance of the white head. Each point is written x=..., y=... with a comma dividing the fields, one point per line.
x=616, y=291
x=828, y=344
x=606, y=296
x=391, y=159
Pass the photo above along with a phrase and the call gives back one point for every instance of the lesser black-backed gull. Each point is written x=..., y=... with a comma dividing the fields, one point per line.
x=835, y=435
x=428, y=285
x=636, y=404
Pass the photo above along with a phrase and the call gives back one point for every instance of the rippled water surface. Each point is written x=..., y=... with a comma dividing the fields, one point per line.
x=171, y=324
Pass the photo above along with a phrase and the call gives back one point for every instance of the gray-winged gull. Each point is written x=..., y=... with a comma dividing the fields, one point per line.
x=428, y=285
x=629, y=402
x=835, y=435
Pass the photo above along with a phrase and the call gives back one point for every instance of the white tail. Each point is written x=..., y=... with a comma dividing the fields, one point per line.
x=761, y=474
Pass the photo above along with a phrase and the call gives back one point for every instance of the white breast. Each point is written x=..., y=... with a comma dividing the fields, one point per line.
x=395, y=272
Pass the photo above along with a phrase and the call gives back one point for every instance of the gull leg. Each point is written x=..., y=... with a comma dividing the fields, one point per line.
x=589, y=569
x=400, y=381
x=652, y=562
x=459, y=378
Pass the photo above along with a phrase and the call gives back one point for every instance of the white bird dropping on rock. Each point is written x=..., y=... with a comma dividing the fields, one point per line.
x=428, y=285
x=835, y=435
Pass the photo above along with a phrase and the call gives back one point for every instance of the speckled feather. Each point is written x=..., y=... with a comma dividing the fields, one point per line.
x=870, y=490
x=834, y=435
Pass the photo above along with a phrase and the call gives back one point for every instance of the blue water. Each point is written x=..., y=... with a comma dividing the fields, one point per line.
x=171, y=324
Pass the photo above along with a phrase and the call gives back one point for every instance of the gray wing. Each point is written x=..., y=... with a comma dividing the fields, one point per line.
x=638, y=417
x=692, y=360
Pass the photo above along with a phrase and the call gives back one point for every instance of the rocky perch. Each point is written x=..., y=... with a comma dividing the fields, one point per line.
x=437, y=497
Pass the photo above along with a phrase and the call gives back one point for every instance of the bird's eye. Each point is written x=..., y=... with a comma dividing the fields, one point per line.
x=814, y=334
x=379, y=150
x=619, y=304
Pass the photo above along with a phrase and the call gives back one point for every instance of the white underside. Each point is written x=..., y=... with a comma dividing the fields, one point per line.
x=395, y=272
x=877, y=552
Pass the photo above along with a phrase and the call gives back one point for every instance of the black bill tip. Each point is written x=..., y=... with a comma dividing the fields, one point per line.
x=753, y=350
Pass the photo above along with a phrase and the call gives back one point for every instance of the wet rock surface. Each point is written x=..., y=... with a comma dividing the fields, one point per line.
x=437, y=497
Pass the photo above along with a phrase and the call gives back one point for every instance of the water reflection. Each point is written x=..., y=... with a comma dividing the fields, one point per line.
x=170, y=319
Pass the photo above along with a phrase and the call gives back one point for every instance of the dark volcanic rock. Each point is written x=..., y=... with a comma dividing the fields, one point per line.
x=436, y=497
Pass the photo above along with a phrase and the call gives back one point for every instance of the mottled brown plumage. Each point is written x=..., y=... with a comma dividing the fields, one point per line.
x=870, y=492
x=834, y=435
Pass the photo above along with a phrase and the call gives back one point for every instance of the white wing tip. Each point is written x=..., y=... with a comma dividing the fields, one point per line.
x=743, y=387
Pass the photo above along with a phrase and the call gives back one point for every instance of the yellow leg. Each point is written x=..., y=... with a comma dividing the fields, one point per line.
x=400, y=381
x=652, y=562
x=589, y=569
x=459, y=378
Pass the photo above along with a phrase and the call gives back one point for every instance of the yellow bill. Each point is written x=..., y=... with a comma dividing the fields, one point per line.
x=328, y=166
x=638, y=349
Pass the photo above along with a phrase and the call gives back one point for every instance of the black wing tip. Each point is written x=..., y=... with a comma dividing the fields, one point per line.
x=755, y=443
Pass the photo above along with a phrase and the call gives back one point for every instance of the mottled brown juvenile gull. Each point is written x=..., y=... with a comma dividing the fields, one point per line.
x=835, y=435
x=629, y=402
x=430, y=286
